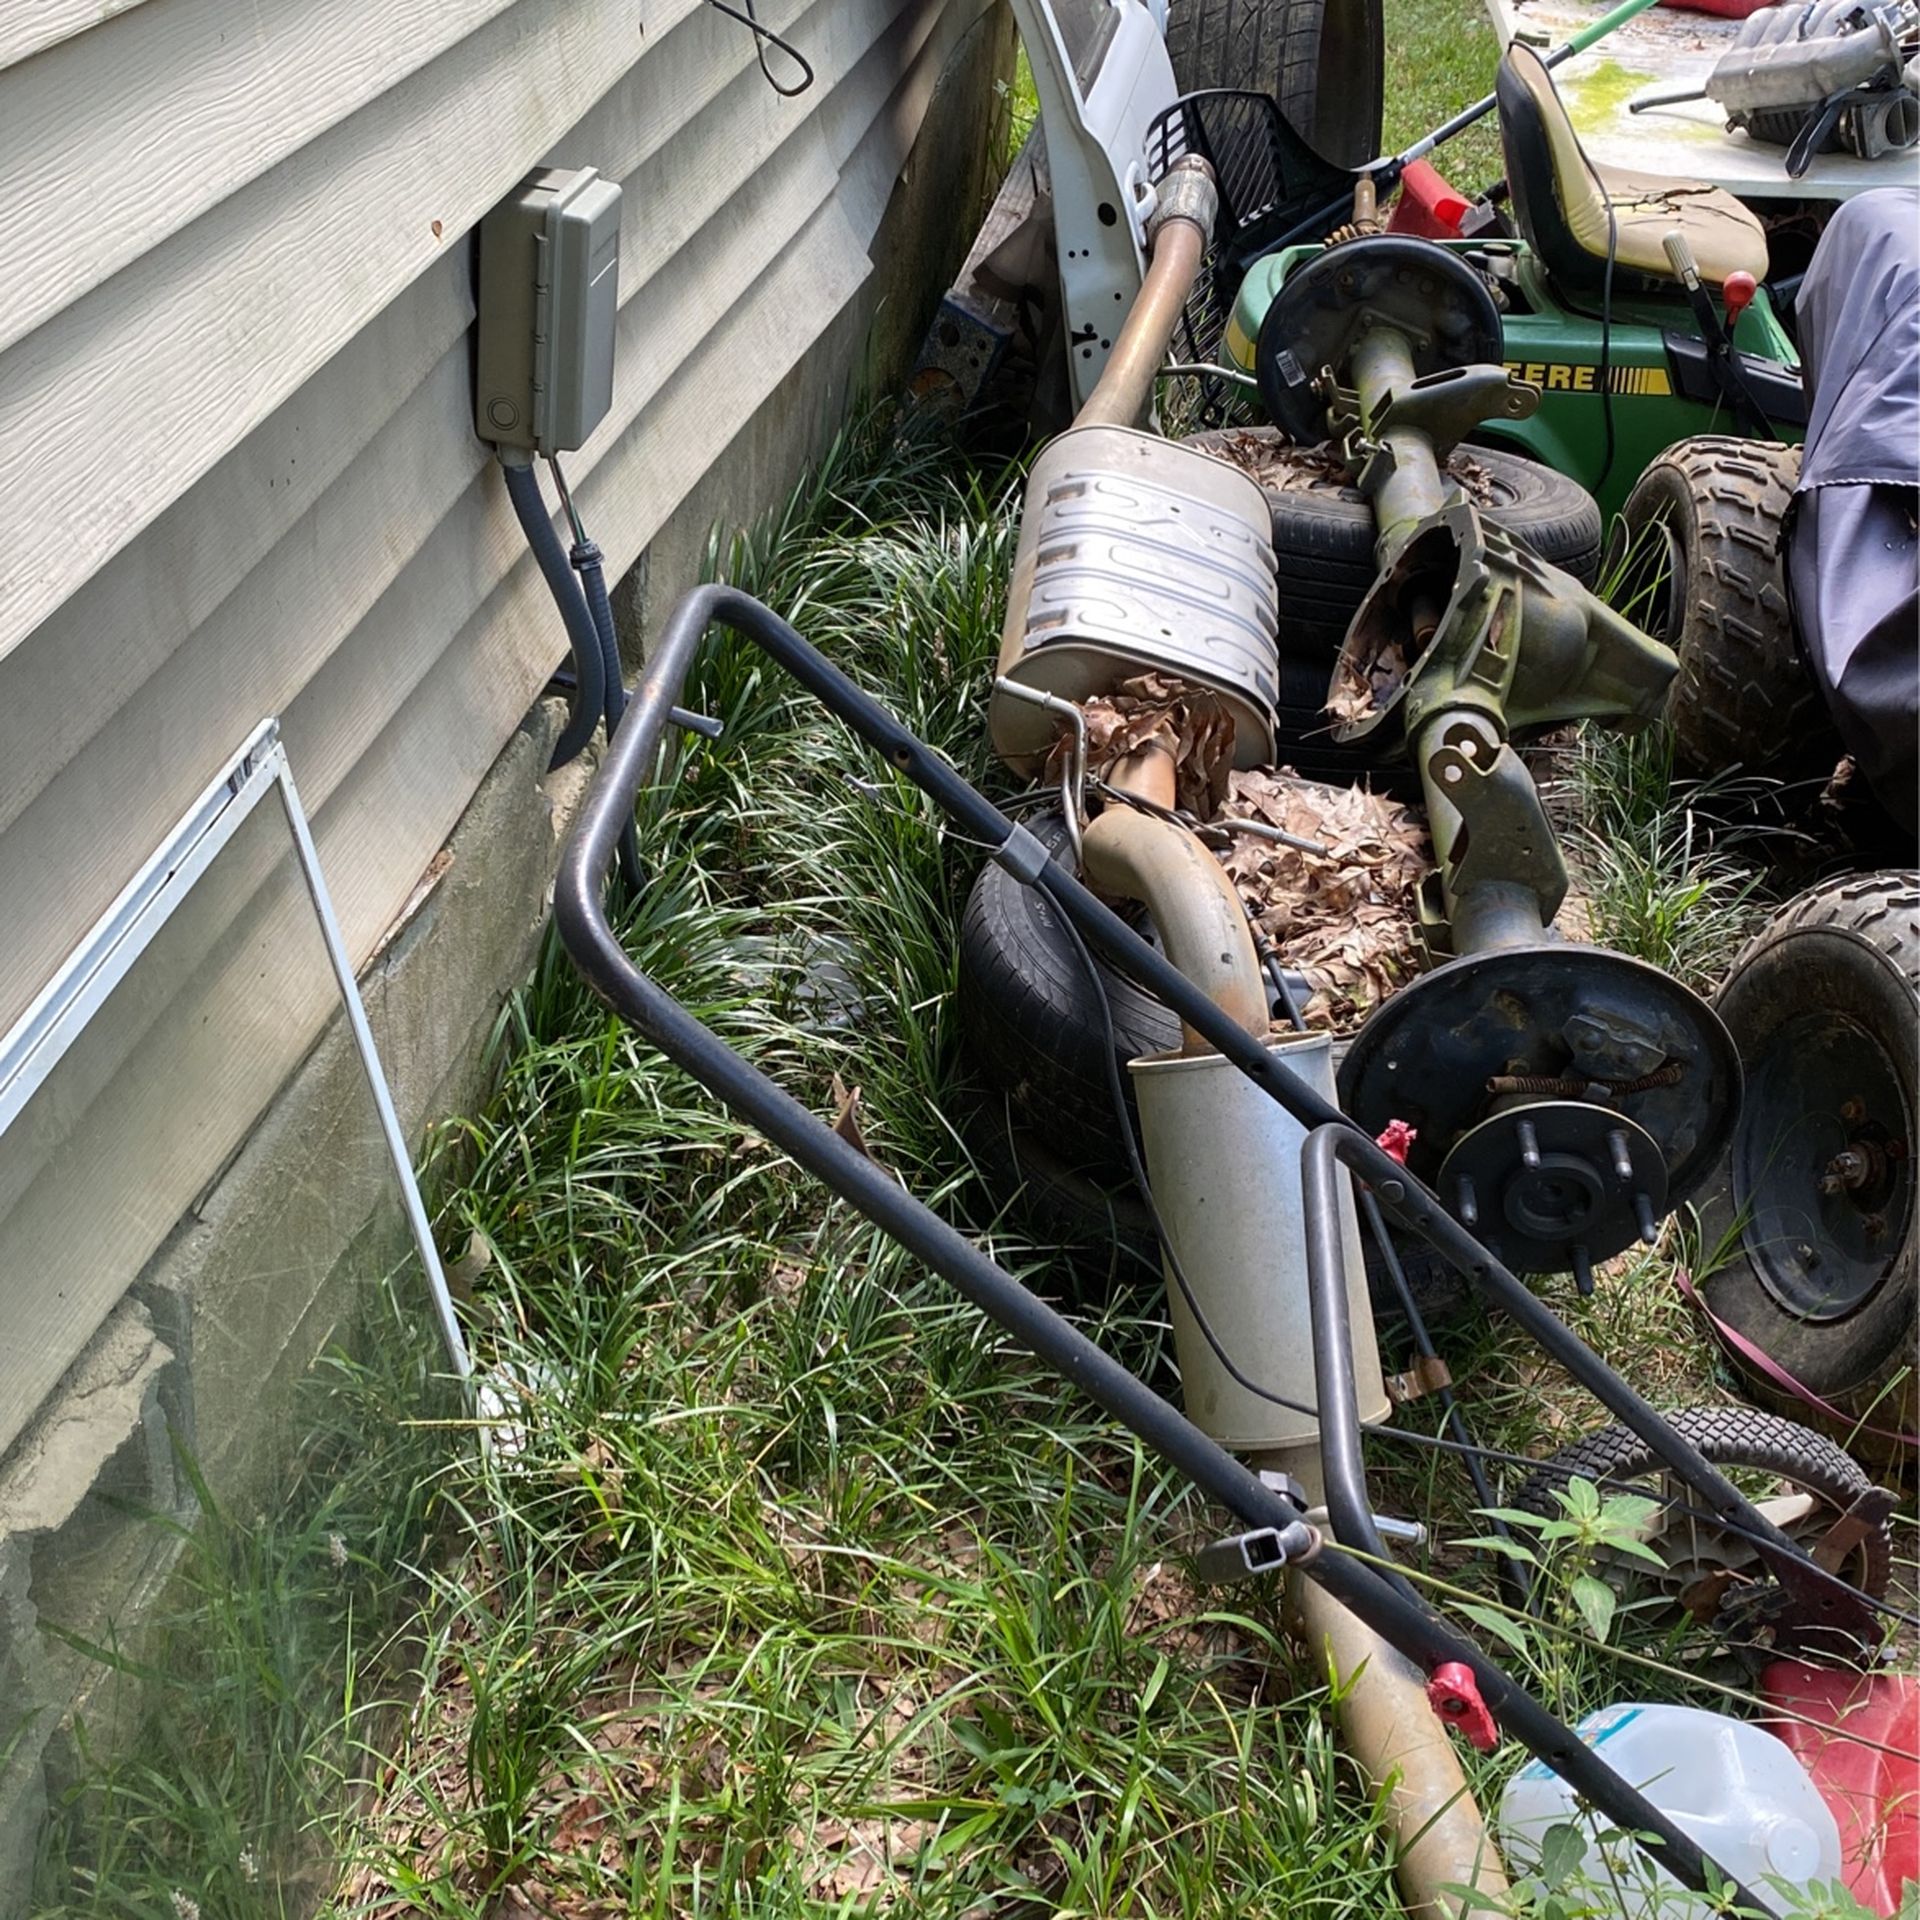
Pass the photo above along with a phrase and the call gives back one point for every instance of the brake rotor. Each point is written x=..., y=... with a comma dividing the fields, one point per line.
x=1570, y=1088
x=1556, y=1184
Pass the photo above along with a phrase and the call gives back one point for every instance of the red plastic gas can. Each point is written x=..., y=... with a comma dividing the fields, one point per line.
x=1858, y=1735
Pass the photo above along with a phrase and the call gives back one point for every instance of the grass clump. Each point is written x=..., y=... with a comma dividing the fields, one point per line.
x=1666, y=875
x=789, y=1588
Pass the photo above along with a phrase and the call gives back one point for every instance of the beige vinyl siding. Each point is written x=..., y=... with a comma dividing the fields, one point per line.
x=238, y=464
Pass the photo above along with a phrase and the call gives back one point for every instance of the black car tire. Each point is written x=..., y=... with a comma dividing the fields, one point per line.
x=1030, y=1023
x=1323, y=540
x=1323, y=61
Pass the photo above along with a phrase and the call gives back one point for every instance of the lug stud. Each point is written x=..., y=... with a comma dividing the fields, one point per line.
x=1622, y=1151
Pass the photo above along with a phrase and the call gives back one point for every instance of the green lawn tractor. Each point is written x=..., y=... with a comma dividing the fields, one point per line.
x=1636, y=305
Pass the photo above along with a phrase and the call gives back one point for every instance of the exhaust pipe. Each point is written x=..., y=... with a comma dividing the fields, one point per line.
x=1225, y=1165
x=1136, y=555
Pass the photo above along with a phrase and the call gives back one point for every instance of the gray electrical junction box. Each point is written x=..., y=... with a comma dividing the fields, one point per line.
x=549, y=304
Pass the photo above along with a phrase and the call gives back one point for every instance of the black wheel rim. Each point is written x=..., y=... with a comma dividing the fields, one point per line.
x=1704, y=1566
x=1822, y=1166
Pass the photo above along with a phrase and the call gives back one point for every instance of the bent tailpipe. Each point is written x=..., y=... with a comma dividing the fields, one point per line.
x=1390, y=1727
x=1386, y=1719
x=1195, y=907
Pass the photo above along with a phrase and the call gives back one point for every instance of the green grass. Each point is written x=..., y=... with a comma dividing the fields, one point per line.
x=1670, y=872
x=786, y=1586
x=1021, y=105
x=1440, y=57
x=217, y=1756
x=794, y=1584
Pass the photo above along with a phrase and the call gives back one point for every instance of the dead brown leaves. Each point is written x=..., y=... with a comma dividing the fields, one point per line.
x=1359, y=692
x=1185, y=722
x=1346, y=919
x=1280, y=468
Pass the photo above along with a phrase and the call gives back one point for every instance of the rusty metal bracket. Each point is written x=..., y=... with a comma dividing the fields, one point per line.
x=1428, y=1374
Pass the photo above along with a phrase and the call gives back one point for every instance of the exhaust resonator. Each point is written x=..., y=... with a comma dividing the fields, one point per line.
x=1139, y=555
x=1225, y=1164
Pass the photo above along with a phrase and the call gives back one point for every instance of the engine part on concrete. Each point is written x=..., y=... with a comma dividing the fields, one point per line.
x=1551, y=1184
x=1816, y=78
x=1821, y=1206
x=1225, y=1165
x=1789, y=56
x=1135, y=554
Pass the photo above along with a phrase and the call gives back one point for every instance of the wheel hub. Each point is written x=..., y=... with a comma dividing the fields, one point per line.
x=1546, y=1183
x=1564, y=1097
x=1823, y=1166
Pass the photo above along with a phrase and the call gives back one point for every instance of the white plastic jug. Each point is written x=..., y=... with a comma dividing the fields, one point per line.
x=1731, y=1787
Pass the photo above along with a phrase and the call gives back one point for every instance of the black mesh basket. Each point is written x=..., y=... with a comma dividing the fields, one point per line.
x=1274, y=191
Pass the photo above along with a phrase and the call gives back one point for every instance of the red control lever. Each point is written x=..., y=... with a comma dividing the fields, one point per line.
x=1395, y=1138
x=1454, y=1695
x=1739, y=289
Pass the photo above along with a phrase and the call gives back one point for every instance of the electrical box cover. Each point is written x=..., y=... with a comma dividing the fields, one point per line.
x=549, y=304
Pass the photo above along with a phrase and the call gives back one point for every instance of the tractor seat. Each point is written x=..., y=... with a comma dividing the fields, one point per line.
x=1561, y=199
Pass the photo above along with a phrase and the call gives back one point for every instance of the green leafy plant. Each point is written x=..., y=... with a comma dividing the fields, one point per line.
x=1564, y=1553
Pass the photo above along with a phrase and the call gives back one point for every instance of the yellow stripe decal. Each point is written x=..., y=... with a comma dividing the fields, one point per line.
x=1562, y=376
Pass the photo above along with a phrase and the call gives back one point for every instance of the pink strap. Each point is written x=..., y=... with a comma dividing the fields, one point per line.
x=1765, y=1365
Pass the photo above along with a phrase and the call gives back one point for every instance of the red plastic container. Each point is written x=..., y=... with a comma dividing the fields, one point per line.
x=1873, y=1789
x=1725, y=9
x=1427, y=208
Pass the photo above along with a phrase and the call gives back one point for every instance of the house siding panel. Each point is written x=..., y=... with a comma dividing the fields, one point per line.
x=235, y=442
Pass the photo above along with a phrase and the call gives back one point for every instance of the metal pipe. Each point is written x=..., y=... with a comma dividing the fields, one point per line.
x=1252, y=1300
x=1391, y=1728
x=1195, y=907
x=1414, y=488
x=1178, y=241
x=1388, y=1723
x=580, y=914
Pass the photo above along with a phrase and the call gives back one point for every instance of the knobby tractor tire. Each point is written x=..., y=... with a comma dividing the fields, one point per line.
x=1734, y=1439
x=1714, y=508
x=1323, y=537
x=1323, y=61
x=1824, y=1007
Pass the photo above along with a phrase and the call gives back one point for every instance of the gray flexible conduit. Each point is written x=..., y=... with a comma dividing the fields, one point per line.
x=586, y=559
x=583, y=632
x=593, y=579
